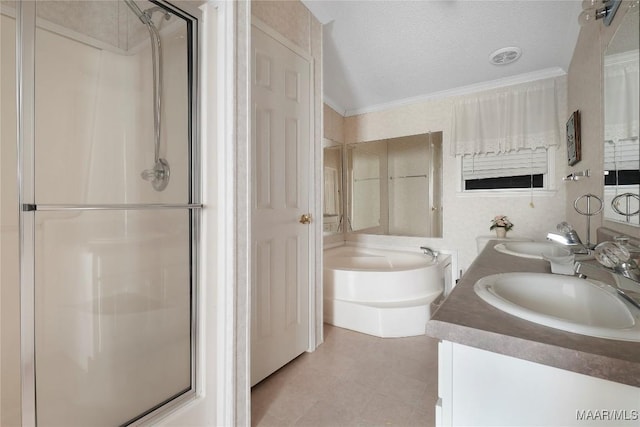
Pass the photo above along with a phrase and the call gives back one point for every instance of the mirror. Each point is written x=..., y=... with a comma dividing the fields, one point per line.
x=621, y=117
x=394, y=186
x=332, y=203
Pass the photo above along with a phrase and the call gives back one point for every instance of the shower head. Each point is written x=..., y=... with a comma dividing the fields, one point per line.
x=159, y=175
x=150, y=11
x=136, y=10
x=145, y=16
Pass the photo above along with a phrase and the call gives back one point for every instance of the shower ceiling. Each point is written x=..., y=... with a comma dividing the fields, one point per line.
x=383, y=53
x=103, y=23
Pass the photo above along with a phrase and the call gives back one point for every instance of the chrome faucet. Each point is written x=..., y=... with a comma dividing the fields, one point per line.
x=567, y=236
x=625, y=287
x=428, y=251
x=615, y=268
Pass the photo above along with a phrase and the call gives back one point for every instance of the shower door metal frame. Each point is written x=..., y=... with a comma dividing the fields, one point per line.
x=25, y=83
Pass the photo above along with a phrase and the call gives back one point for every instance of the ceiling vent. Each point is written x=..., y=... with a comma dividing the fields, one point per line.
x=505, y=56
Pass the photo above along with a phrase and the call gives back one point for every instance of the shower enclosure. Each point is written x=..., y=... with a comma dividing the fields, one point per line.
x=107, y=231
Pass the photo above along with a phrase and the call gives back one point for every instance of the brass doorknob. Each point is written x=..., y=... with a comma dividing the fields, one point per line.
x=305, y=219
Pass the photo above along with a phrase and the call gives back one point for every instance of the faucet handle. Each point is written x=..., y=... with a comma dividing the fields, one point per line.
x=611, y=254
x=564, y=227
x=624, y=242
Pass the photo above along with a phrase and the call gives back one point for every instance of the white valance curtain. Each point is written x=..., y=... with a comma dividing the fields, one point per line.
x=621, y=111
x=523, y=117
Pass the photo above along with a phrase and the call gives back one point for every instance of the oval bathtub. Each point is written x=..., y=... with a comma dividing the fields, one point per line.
x=381, y=292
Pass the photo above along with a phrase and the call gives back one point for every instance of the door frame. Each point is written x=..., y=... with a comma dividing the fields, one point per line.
x=225, y=353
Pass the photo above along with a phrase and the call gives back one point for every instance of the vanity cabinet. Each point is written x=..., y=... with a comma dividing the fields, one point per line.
x=496, y=369
x=482, y=388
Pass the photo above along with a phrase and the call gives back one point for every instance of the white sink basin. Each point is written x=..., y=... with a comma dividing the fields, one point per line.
x=531, y=249
x=562, y=302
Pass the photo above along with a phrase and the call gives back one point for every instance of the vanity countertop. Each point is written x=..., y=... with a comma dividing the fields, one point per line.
x=466, y=319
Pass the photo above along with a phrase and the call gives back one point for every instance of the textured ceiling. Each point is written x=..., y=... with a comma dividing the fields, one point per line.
x=380, y=53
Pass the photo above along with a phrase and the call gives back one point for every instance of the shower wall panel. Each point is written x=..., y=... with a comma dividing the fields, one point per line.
x=94, y=122
x=113, y=296
x=408, y=159
x=175, y=118
x=9, y=251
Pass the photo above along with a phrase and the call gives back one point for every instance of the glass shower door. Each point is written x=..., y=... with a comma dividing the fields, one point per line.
x=112, y=314
x=110, y=209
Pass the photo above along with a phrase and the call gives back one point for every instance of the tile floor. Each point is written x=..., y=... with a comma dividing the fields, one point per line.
x=353, y=379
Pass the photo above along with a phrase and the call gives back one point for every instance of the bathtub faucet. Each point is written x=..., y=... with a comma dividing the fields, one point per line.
x=428, y=251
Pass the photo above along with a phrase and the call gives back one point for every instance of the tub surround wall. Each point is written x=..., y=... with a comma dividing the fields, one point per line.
x=333, y=130
x=585, y=93
x=333, y=125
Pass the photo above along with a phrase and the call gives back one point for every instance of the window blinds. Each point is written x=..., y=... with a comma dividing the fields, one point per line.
x=512, y=163
x=622, y=155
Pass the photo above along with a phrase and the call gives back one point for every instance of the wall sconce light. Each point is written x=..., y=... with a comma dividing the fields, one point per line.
x=593, y=10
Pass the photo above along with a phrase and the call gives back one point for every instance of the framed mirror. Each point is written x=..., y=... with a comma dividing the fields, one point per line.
x=394, y=186
x=621, y=118
x=332, y=188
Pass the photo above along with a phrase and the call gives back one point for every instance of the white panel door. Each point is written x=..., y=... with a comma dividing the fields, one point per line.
x=280, y=143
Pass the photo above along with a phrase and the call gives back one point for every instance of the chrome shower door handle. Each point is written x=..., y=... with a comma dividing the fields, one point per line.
x=305, y=218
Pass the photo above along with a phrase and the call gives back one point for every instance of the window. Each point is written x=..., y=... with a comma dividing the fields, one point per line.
x=516, y=169
x=621, y=162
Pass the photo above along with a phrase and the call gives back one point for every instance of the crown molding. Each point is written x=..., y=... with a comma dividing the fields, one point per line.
x=463, y=90
x=334, y=105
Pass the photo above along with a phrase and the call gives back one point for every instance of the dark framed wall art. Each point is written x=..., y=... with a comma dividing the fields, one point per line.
x=574, y=153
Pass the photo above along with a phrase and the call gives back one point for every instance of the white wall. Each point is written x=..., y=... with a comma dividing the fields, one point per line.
x=465, y=216
x=585, y=93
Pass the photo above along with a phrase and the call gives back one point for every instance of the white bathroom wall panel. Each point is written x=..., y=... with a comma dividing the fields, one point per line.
x=408, y=160
x=94, y=122
x=174, y=144
x=366, y=187
x=9, y=251
x=407, y=210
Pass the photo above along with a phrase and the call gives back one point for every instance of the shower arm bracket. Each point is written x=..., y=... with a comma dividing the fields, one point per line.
x=159, y=175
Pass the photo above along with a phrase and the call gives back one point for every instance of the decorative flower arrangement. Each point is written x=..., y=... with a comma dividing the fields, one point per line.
x=501, y=221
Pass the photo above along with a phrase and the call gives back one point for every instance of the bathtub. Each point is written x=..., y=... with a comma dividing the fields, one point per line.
x=381, y=292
